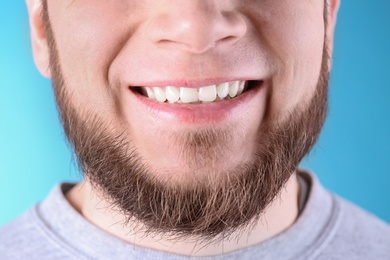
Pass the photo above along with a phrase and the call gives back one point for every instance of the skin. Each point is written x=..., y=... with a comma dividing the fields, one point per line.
x=106, y=47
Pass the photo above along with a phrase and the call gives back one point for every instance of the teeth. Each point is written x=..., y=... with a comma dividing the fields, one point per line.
x=188, y=95
x=160, y=94
x=208, y=94
x=223, y=90
x=205, y=94
x=233, y=89
x=173, y=94
x=241, y=88
x=150, y=93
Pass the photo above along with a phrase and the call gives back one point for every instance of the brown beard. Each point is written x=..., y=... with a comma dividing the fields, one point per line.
x=207, y=210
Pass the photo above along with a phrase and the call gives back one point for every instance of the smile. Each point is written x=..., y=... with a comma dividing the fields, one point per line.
x=198, y=105
x=199, y=95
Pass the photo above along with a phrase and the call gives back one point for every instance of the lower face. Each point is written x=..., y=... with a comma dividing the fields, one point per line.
x=237, y=121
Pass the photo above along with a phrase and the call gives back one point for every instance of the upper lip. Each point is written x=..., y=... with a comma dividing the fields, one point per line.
x=190, y=83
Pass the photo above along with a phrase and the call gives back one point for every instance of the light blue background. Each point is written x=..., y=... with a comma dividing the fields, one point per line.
x=352, y=157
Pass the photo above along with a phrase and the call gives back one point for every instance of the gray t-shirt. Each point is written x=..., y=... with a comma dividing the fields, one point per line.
x=328, y=228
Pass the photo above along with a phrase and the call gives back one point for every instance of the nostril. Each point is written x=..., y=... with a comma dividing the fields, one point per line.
x=227, y=39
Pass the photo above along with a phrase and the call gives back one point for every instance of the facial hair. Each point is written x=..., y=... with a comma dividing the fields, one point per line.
x=210, y=209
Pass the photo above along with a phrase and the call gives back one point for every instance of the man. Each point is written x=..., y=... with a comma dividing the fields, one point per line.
x=188, y=120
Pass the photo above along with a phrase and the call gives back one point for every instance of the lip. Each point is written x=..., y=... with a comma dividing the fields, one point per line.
x=199, y=113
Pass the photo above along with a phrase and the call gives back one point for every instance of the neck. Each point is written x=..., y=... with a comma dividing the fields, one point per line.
x=280, y=215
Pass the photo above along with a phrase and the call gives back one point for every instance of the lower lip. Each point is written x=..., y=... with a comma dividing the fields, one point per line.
x=200, y=113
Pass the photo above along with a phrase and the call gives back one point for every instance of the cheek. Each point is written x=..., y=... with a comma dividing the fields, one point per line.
x=296, y=40
x=90, y=37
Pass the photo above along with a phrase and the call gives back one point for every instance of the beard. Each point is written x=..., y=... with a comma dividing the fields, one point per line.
x=212, y=207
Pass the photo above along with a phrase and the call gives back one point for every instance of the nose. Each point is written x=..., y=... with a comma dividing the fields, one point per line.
x=194, y=25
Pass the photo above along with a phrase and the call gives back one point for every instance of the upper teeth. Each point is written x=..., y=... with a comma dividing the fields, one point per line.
x=192, y=95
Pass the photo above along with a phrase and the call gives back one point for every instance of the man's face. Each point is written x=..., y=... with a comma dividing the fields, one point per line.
x=106, y=49
x=106, y=56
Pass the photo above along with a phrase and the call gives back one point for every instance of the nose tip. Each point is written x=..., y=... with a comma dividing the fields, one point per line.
x=196, y=26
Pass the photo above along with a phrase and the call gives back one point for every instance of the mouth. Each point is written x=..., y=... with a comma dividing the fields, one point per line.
x=199, y=105
x=199, y=95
